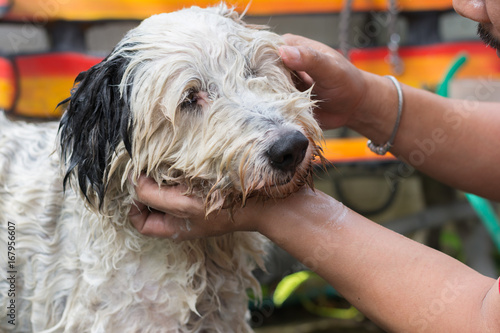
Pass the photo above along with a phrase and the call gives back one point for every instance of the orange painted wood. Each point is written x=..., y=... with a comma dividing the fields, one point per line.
x=43, y=11
x=425, y=66
x=45, y=80
x=350, y=150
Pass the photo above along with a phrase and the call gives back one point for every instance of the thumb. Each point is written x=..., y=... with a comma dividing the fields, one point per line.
x=319, y=66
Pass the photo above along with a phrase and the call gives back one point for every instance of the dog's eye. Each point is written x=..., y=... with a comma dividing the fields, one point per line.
x=190, y=99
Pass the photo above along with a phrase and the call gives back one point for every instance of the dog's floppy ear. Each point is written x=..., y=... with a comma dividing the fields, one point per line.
x=96, y=121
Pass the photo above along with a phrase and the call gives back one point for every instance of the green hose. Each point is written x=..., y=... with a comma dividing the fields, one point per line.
x=443, y=88
x=482, y=206
x=487, y=215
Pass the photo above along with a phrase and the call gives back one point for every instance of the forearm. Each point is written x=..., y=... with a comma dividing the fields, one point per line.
x=400, y=284
x=454, y=141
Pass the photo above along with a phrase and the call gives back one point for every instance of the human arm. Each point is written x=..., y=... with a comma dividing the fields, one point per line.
x=453, y=141
x=401, y=285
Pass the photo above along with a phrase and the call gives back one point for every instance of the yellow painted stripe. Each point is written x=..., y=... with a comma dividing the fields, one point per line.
x=40, y=96
x=7, y=93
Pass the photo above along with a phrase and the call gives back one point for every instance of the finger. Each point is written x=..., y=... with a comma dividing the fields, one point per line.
x=137, y=208
x=320, y=67
x=295, y=40
x=152, y=222
x=301, y=79
x=138, y=215
x=164, y=198
x=305, y=79
x=159, y=224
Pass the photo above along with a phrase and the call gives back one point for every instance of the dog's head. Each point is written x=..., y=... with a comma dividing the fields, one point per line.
x=195, y=97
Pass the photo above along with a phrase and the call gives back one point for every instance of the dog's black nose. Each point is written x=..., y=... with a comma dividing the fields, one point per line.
x=288, y=151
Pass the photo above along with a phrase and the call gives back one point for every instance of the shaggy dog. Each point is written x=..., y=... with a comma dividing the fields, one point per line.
x=195, y=97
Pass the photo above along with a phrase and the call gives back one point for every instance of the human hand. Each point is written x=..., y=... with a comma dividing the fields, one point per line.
x=338, y=85
x=266, y=216
x=166, y=212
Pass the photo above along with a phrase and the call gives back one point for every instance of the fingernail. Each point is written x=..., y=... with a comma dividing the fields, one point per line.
x=292, y=53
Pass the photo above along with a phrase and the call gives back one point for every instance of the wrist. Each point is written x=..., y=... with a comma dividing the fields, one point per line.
x=383, y=149
x=377, y=112
x=251, y=216
x=301, y=212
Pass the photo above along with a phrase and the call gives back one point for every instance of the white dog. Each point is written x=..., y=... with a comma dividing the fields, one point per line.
x=194, y=97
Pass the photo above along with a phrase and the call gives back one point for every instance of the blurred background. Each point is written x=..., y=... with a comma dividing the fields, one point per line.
x=44, y=44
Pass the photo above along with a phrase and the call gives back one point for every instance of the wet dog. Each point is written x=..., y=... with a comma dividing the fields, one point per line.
x=195, y=97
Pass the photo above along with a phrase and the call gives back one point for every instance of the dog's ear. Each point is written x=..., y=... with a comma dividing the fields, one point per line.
x=96, y=121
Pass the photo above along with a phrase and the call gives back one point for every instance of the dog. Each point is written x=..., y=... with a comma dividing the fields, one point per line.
x=193, y=97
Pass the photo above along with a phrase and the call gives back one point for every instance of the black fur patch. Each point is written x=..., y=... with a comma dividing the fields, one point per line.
x=96, y=121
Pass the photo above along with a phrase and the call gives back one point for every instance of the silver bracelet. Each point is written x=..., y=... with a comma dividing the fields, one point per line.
x=382, y=150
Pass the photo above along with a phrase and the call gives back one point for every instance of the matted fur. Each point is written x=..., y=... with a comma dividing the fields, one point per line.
x=194, y=97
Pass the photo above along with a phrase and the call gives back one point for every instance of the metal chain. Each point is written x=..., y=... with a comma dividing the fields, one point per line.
x=394, y=37
x=345, y=18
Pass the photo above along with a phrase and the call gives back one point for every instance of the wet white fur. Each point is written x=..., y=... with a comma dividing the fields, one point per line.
x=85, y=270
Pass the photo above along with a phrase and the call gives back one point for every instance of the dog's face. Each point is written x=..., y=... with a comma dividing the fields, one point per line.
x=194, y=97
